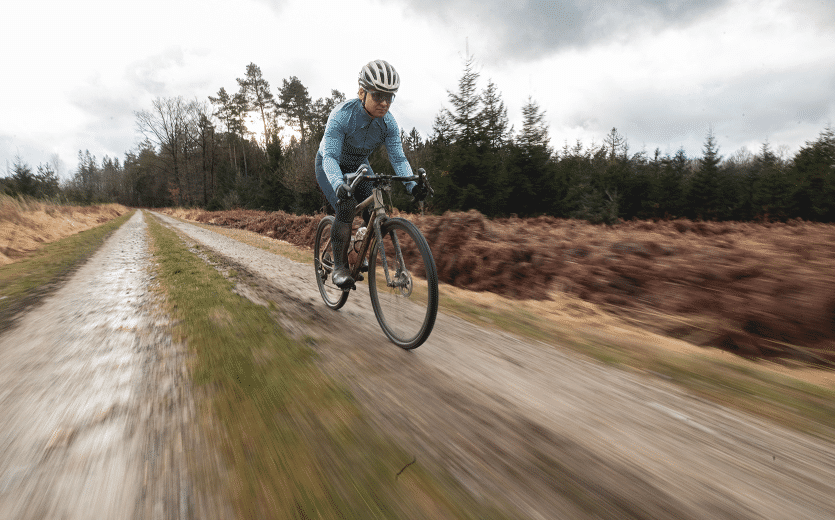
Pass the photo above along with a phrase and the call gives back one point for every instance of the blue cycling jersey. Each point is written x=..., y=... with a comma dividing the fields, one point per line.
x=352, y=135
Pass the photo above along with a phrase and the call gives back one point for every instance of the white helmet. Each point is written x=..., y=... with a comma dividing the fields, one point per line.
x=379, y=75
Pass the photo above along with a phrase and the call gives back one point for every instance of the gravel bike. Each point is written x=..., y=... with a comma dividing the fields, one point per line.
x=402, y=278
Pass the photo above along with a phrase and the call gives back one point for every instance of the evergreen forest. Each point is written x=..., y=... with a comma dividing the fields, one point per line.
x=200, y=153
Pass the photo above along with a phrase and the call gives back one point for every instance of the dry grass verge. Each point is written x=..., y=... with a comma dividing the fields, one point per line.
x=27, y=224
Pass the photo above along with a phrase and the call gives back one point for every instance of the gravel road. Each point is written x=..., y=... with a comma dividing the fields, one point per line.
x=92, y=399
x=537, y=431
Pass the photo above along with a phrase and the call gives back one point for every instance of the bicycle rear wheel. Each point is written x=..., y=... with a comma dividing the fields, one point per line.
x=334, y=297
x=405, y=308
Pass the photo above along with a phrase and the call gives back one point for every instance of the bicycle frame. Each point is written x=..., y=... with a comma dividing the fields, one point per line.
x=378, y=216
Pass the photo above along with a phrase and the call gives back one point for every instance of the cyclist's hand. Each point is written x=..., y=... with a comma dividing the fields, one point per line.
x=419, y=192
x=342, y=192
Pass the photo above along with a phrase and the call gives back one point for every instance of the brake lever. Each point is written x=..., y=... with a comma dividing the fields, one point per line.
x=359, y=175
x=425, y=180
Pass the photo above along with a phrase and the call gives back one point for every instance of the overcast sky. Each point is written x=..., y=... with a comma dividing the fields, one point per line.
x=662, y=73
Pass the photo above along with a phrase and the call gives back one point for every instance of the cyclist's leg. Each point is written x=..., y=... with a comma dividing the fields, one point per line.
x=341, y=229
x=362, y=192
x=325, y=183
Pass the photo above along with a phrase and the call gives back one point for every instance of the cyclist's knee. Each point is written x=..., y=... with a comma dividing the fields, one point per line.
x=345, y=210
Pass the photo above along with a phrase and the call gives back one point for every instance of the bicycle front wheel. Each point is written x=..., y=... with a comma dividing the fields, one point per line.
x=334, y=297
x=403, y=283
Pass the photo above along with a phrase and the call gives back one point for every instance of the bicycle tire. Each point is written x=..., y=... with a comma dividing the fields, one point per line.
x=333, y=296
x=406, y=312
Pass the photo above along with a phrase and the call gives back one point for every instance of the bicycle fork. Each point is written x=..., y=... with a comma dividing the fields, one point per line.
x=401, y=278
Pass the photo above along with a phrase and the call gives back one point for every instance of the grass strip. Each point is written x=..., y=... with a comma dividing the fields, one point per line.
x=24, y=282
x=295, y=443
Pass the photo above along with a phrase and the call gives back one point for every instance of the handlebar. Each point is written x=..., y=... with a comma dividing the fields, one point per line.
x=352, y=179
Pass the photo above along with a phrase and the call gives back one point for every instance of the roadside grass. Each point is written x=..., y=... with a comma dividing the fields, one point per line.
x=24, y=282
x=740, y=383
x=295, y=443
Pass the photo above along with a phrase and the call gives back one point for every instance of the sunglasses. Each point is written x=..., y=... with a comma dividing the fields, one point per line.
x=379, y=97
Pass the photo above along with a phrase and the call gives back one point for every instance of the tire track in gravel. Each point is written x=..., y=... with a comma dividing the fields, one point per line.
x=94, y=397
x=542, y=432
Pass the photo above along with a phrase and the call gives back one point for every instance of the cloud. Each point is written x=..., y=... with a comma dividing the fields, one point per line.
x=32, y=151
x=743, y=111
x=276, y=5
x=816, y=14
x=149, y=73
x=530, y=28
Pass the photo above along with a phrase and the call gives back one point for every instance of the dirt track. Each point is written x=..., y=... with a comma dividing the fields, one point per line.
x=539, y=432
x=92, y=399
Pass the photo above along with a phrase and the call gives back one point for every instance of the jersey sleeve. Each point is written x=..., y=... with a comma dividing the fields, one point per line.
x=394, y=147
x=332, y=148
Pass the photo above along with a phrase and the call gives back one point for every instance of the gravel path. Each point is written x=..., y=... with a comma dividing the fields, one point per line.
x=92, y=398
x=545, y=433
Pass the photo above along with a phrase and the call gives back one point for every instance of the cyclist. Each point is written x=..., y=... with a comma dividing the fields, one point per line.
x=354, y=130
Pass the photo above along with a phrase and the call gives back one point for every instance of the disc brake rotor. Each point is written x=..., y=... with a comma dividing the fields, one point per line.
x=403, y=282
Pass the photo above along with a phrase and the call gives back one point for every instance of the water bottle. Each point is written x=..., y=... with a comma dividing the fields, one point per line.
x=358, y=238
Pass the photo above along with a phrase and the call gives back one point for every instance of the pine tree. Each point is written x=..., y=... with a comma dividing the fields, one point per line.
x=534, y=135
x=47, y=181
x=704, y=194
x=671, y=185
x=87, y=179
x=231, y=110
x=457, y=154
x=739, y=168
x=771, y=187
x=616, y=145
x=443, y=132
x=532, y=173
x=295, y=105
x=23, y=180
x=256, y=91
x=465, y=118
x=493, y=116
x=206, y=143
x=813, y=175
x=589, y=194
x=321, y=111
